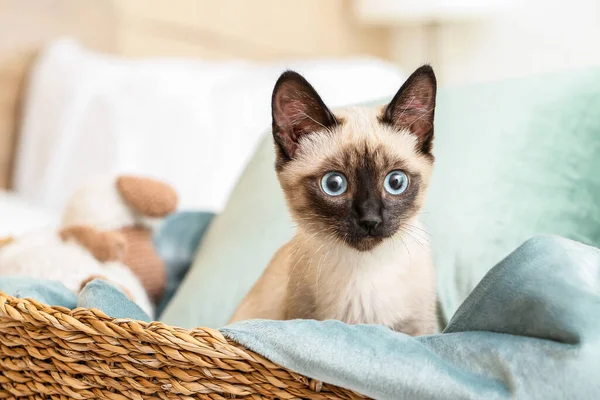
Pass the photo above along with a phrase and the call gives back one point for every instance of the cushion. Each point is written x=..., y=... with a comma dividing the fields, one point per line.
x=514, y=159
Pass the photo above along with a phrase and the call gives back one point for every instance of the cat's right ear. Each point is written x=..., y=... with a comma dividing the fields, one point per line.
x=297, y=110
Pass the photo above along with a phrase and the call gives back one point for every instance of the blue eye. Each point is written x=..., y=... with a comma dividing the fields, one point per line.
x=334, y=183
x=395, y=182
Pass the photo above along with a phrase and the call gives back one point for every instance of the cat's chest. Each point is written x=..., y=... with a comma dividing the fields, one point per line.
x=374, y=292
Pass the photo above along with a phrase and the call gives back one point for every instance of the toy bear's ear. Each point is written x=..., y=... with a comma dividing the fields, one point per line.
x=104, y=246
x=149, y=197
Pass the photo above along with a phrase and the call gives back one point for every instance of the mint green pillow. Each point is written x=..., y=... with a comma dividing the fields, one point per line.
x=514, y=159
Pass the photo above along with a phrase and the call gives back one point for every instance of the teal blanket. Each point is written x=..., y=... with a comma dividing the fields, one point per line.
x=96, y=294
x=530, y=330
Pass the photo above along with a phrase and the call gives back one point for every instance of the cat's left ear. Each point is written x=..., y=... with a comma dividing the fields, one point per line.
x=413, y=107
x=297, y=110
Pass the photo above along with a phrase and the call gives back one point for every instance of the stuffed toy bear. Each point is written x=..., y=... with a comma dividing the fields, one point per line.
x=106, y=234
x=73, y=256
x=132, y=206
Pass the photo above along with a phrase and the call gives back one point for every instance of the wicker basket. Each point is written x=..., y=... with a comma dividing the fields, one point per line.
x=54, y=352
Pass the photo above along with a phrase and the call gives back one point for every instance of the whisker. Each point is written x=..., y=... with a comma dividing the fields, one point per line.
x=405, y=246
x=409, y=235
x=417, y=233
x=417, y=228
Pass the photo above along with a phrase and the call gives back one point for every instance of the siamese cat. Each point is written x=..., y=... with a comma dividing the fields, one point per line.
x=354, y=182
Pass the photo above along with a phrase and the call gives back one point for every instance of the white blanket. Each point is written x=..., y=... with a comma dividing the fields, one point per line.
x=191, y=123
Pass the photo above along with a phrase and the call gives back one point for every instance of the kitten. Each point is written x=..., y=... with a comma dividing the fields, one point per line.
x=354, y=182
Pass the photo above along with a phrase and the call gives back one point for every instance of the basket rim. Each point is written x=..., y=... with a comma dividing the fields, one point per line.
x=89, y=336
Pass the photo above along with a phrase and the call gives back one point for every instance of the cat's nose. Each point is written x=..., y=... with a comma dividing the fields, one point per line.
x=370, y=222
x=369, y=214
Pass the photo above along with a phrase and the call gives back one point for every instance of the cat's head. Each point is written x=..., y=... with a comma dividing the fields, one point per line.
x=358, y=175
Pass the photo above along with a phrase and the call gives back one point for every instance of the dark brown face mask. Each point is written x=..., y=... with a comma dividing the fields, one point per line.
x=363, y=193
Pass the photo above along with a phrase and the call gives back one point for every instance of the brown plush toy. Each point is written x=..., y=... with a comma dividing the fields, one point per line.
x=74, y=256
x=132, y=206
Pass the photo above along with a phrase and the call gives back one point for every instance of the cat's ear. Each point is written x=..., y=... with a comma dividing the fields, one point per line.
x=413, y=107
x=297, y=110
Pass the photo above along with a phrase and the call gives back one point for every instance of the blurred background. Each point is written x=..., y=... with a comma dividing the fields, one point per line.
x=180, y=89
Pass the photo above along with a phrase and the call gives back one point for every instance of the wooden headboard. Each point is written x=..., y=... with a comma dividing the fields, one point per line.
x=257, y=29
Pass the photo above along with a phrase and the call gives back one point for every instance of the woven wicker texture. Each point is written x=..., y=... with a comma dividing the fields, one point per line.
x=54, y=352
